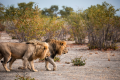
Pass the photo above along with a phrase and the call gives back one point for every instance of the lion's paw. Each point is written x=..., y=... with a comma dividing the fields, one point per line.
x=35, y=70
x=54, y=69
x=8, y=70
x=21, y=67
x=48, y=69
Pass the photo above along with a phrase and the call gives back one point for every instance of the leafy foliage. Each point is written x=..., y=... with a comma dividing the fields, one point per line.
x=52, y=11
x=2, y=8
x=66, y=11
x=78, y=26
x=56, y=59
x=28, y=22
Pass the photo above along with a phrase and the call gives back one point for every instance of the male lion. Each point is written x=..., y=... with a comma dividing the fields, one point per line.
x=56, y=47
x=27, y=52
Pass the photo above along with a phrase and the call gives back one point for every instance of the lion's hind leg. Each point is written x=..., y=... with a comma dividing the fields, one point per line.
x=22, y=67
x=5, y=63
x=1, y=56
x=11, y=62
x=7, y=55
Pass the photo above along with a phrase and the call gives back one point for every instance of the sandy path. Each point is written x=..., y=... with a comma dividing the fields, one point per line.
x=97, y=67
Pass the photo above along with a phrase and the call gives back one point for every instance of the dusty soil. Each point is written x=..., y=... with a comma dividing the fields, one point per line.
x=97, y=66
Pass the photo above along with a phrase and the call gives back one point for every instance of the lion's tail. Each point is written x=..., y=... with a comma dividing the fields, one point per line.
x=7, y=62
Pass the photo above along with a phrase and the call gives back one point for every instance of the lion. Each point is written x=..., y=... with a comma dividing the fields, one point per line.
x=56, y=47
x=25, y=51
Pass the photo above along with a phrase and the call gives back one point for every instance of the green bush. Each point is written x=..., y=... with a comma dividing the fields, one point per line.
x=78, y=61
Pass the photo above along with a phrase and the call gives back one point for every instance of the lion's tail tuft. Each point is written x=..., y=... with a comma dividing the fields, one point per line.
x=7, y=62
x=2, y=61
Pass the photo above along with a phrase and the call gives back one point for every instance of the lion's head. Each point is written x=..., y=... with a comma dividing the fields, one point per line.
x=57, y=46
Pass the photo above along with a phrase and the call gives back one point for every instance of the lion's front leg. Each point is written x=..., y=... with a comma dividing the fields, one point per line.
x=47, y=65
x=50, y=60
x=25, y=63
x=32, y=66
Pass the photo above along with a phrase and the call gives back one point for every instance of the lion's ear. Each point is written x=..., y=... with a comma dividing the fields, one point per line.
x=45, y=47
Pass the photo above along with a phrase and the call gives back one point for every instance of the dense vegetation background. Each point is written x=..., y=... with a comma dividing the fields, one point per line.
x=99, y=23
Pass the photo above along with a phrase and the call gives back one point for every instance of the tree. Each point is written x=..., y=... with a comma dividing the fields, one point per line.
x=2, y=8
x=78, y=27
x=101, y=24
x=27, y=22
x=66, y=11
x=11, y=12
x=52, y=11
x=25, y=7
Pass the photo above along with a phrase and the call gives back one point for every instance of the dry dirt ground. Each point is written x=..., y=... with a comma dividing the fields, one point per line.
x=97, y=66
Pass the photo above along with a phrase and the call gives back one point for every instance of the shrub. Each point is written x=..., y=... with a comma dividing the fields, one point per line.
x=78, y=61
x=104, y=47
x=56, y=59
x=102, y=26
x=2, y=27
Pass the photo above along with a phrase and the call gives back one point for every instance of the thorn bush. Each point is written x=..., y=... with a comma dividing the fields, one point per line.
x=78, y=61
x=56, y=59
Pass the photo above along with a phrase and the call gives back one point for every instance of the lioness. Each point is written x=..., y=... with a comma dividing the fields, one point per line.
x=27, y=52
x=56, y=47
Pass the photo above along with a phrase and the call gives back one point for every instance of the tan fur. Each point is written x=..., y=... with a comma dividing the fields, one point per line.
x=56, y=47
x=27, y=52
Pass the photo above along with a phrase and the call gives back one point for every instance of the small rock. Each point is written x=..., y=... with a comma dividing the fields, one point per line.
x=67, y=62
x=96, y=52
x=108, y=59
x=113, y=55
